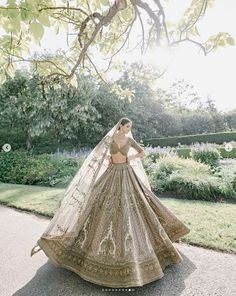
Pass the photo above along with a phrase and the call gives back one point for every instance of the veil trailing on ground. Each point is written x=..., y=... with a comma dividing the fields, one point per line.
x=68, y=219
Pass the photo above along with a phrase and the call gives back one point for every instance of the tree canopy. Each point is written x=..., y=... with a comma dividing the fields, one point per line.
x=96, y=25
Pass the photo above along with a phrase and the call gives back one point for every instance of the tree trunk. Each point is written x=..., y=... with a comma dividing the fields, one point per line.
x=28, y=142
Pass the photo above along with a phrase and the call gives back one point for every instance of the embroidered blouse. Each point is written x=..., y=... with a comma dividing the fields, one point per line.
x=114, y=148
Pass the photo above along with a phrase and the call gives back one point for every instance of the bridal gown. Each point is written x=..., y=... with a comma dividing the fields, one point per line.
x=126, y=240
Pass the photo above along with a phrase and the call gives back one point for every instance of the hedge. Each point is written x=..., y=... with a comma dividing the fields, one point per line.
x=185, y=152
x=217, y=138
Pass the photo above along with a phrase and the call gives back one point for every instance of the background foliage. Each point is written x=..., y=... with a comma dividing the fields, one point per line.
x=43, y=117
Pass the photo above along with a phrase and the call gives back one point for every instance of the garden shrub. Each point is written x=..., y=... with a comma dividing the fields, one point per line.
x=183, y=152
x=227, y=175
x=160, y=171
x=192, y=179
x=155, y=153
x=194, y=186
x=23, y=167
x=206, y=154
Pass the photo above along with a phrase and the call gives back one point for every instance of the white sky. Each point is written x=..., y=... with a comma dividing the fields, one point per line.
x=215, y=73
x=212, y=75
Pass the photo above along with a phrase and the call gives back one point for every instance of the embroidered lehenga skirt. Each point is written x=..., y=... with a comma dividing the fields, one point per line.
x=127, y=238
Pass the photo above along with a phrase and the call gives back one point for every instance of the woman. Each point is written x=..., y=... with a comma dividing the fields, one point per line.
x=110, y=228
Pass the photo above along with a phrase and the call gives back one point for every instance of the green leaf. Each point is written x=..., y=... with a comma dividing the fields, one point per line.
x=26, y=11
x=16, y=24
x=7, y=25
x=37, y=30
x=11, y=2
x=13, y=12
x=230, y=41
x=104, y=2
x=24, y=14
x=44, y=19
x=126, y=14
x=221, y=42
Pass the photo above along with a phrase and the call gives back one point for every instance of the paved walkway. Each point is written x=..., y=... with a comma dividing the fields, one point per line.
x=202, y=273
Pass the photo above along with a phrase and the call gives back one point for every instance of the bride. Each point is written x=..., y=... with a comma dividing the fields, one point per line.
x=110, y=228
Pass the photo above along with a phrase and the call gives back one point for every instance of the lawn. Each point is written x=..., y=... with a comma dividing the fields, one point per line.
x=212, y=224
x=37, y=199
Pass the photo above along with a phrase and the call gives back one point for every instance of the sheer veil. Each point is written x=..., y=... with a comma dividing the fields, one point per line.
x=76, y=202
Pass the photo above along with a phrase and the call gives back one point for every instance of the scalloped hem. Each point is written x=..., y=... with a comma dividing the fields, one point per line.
x=127, y=275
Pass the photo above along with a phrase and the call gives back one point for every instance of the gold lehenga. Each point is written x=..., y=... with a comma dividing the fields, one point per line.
x=127, y=234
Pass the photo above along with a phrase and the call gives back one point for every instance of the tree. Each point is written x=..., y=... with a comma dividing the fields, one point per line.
x=197, y=123
x=30, y=105
x=230, y=119
x=100, y=25
x=217, y=117
x=20, y=102
x=181, y=96
x=144, y=109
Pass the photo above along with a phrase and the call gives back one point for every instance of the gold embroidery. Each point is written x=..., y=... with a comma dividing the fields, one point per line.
x=126, y=238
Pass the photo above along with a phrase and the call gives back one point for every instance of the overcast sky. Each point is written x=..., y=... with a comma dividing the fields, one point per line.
x=212, y=75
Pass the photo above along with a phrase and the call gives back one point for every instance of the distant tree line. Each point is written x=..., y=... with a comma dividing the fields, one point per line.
x=34, y=113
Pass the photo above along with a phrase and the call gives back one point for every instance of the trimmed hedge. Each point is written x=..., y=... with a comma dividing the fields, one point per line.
x=217, y=138
x=226, y=154
x=185, y=152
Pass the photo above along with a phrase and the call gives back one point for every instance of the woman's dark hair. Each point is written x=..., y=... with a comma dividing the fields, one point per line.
x=124, y=121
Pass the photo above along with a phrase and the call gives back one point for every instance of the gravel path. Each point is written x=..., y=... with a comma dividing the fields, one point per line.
x=202, y=273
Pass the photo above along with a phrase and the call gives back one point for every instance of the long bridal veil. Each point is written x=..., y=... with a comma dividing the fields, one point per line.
x=68, y=219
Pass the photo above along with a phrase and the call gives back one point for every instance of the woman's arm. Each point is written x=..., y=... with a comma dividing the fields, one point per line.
x=137, y=147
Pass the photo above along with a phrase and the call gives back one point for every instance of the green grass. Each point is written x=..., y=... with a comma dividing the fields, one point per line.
x=37, y=199
x=212, y=224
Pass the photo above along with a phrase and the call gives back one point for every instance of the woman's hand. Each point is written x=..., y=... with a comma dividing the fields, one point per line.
x=108, y=157
x=133, y=156
x=130, y=158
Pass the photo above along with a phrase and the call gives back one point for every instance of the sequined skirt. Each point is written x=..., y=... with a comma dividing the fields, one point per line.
x=127, y=238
